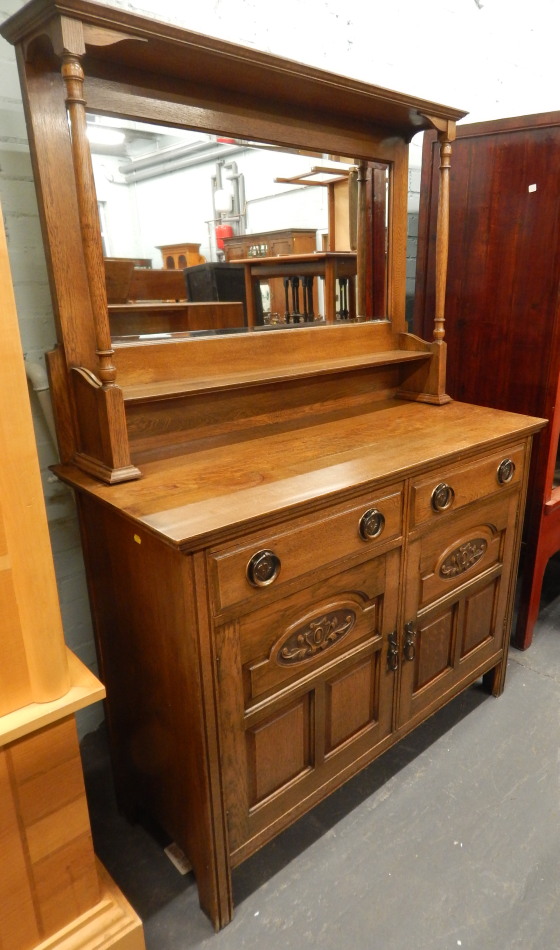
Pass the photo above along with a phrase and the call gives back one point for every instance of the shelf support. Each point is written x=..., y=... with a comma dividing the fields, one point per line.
x=442, y=240
x=446, y=131
x=73, y=76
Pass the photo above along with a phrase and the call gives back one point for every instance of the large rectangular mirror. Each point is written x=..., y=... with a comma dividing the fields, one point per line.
x=209, y=233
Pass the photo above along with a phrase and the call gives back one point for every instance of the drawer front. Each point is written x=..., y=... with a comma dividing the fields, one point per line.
x=451, y=488
x=296, y=549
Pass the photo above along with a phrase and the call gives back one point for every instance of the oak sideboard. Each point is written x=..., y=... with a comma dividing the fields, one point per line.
x=298, y=546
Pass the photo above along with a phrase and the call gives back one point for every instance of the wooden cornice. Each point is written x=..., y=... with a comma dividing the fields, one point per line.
x=248, y=71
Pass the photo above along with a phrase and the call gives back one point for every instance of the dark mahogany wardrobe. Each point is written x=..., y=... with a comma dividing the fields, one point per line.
x=503, y=300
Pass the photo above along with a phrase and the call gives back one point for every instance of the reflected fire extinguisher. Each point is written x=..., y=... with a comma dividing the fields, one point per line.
x=223, y=231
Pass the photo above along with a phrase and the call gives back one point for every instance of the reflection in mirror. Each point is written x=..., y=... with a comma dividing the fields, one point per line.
x=207, y=233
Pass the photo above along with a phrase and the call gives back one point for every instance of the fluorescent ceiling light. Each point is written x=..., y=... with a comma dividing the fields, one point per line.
x=101, y=135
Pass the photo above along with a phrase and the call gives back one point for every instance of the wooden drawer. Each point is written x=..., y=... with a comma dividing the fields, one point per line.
x=302, y=547
x=458, y=485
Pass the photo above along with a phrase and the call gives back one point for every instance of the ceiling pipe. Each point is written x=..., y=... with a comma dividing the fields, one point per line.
x=175, y=159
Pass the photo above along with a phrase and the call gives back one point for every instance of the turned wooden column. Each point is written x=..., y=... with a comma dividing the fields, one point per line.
x=442, y=238
x=73, y=76
x=361, y=241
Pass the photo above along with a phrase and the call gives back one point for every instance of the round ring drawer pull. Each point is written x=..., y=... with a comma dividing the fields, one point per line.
x=263, y=568
x=371, y=524
x=442, y=497
x=506, y=471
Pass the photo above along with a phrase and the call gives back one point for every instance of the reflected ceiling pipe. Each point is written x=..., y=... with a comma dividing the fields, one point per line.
x=176, y=158
x=228, y=203
x=238, y=182
x=221, y=205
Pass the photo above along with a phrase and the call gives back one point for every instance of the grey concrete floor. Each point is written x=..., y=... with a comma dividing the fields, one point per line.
x=450, y=839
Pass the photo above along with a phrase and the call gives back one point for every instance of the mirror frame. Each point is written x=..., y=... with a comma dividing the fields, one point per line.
x=75, y=55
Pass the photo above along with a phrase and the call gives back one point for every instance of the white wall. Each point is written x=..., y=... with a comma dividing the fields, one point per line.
x=491, y=57
x=176, y=206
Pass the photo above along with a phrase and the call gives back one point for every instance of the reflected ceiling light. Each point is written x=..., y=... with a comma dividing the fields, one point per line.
x=101, y=135
x=222, y=200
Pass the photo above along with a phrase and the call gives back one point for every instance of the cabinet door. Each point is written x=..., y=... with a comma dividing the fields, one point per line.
x=456, y=603
x=280, y=246
x=306, y=694
x=234, y=250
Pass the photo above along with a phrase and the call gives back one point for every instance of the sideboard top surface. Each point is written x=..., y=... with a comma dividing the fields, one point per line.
x=219, y=488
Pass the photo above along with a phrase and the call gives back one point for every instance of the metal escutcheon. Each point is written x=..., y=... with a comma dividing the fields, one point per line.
x=392, y=652
x=371, y=524
x=409, y=647
x=263, y=568
x=442, y=497
x=506, y=471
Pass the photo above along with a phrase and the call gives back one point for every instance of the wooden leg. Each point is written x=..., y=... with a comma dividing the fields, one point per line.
x=287, y=299
x=352, y=298
x=330, y=293
x=494, y=679
x=251, y=288
x=214, y=894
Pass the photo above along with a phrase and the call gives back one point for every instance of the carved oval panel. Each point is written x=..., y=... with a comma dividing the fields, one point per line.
x=463, y=558
x=316, y=636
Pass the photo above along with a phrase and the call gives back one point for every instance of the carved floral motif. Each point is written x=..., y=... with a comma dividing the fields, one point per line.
x=316, y=636
x=463, y=558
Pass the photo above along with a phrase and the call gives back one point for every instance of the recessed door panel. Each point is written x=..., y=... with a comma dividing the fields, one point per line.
x=434, y=648
x=279, y=749
x=352, y=702
x=480, y=623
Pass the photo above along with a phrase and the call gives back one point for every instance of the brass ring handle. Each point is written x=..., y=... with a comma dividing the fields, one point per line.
x=263, y=568
x=409, y=647
x=442, y=497
x=506, y=471
x=371, y=524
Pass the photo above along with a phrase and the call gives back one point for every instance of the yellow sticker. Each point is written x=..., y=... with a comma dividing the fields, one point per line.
x=138, y=539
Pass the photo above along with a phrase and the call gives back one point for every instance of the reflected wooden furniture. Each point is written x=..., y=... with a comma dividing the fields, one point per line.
x=162, y=317
x=335, y=180
x=503, y=299
x=217, y=281
x=178, y=256
x=155, y=284
x=125, y=281
x=272, y=244
x=53, y=892
x=331, y=266
x=118, y=275
x=322, y=547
